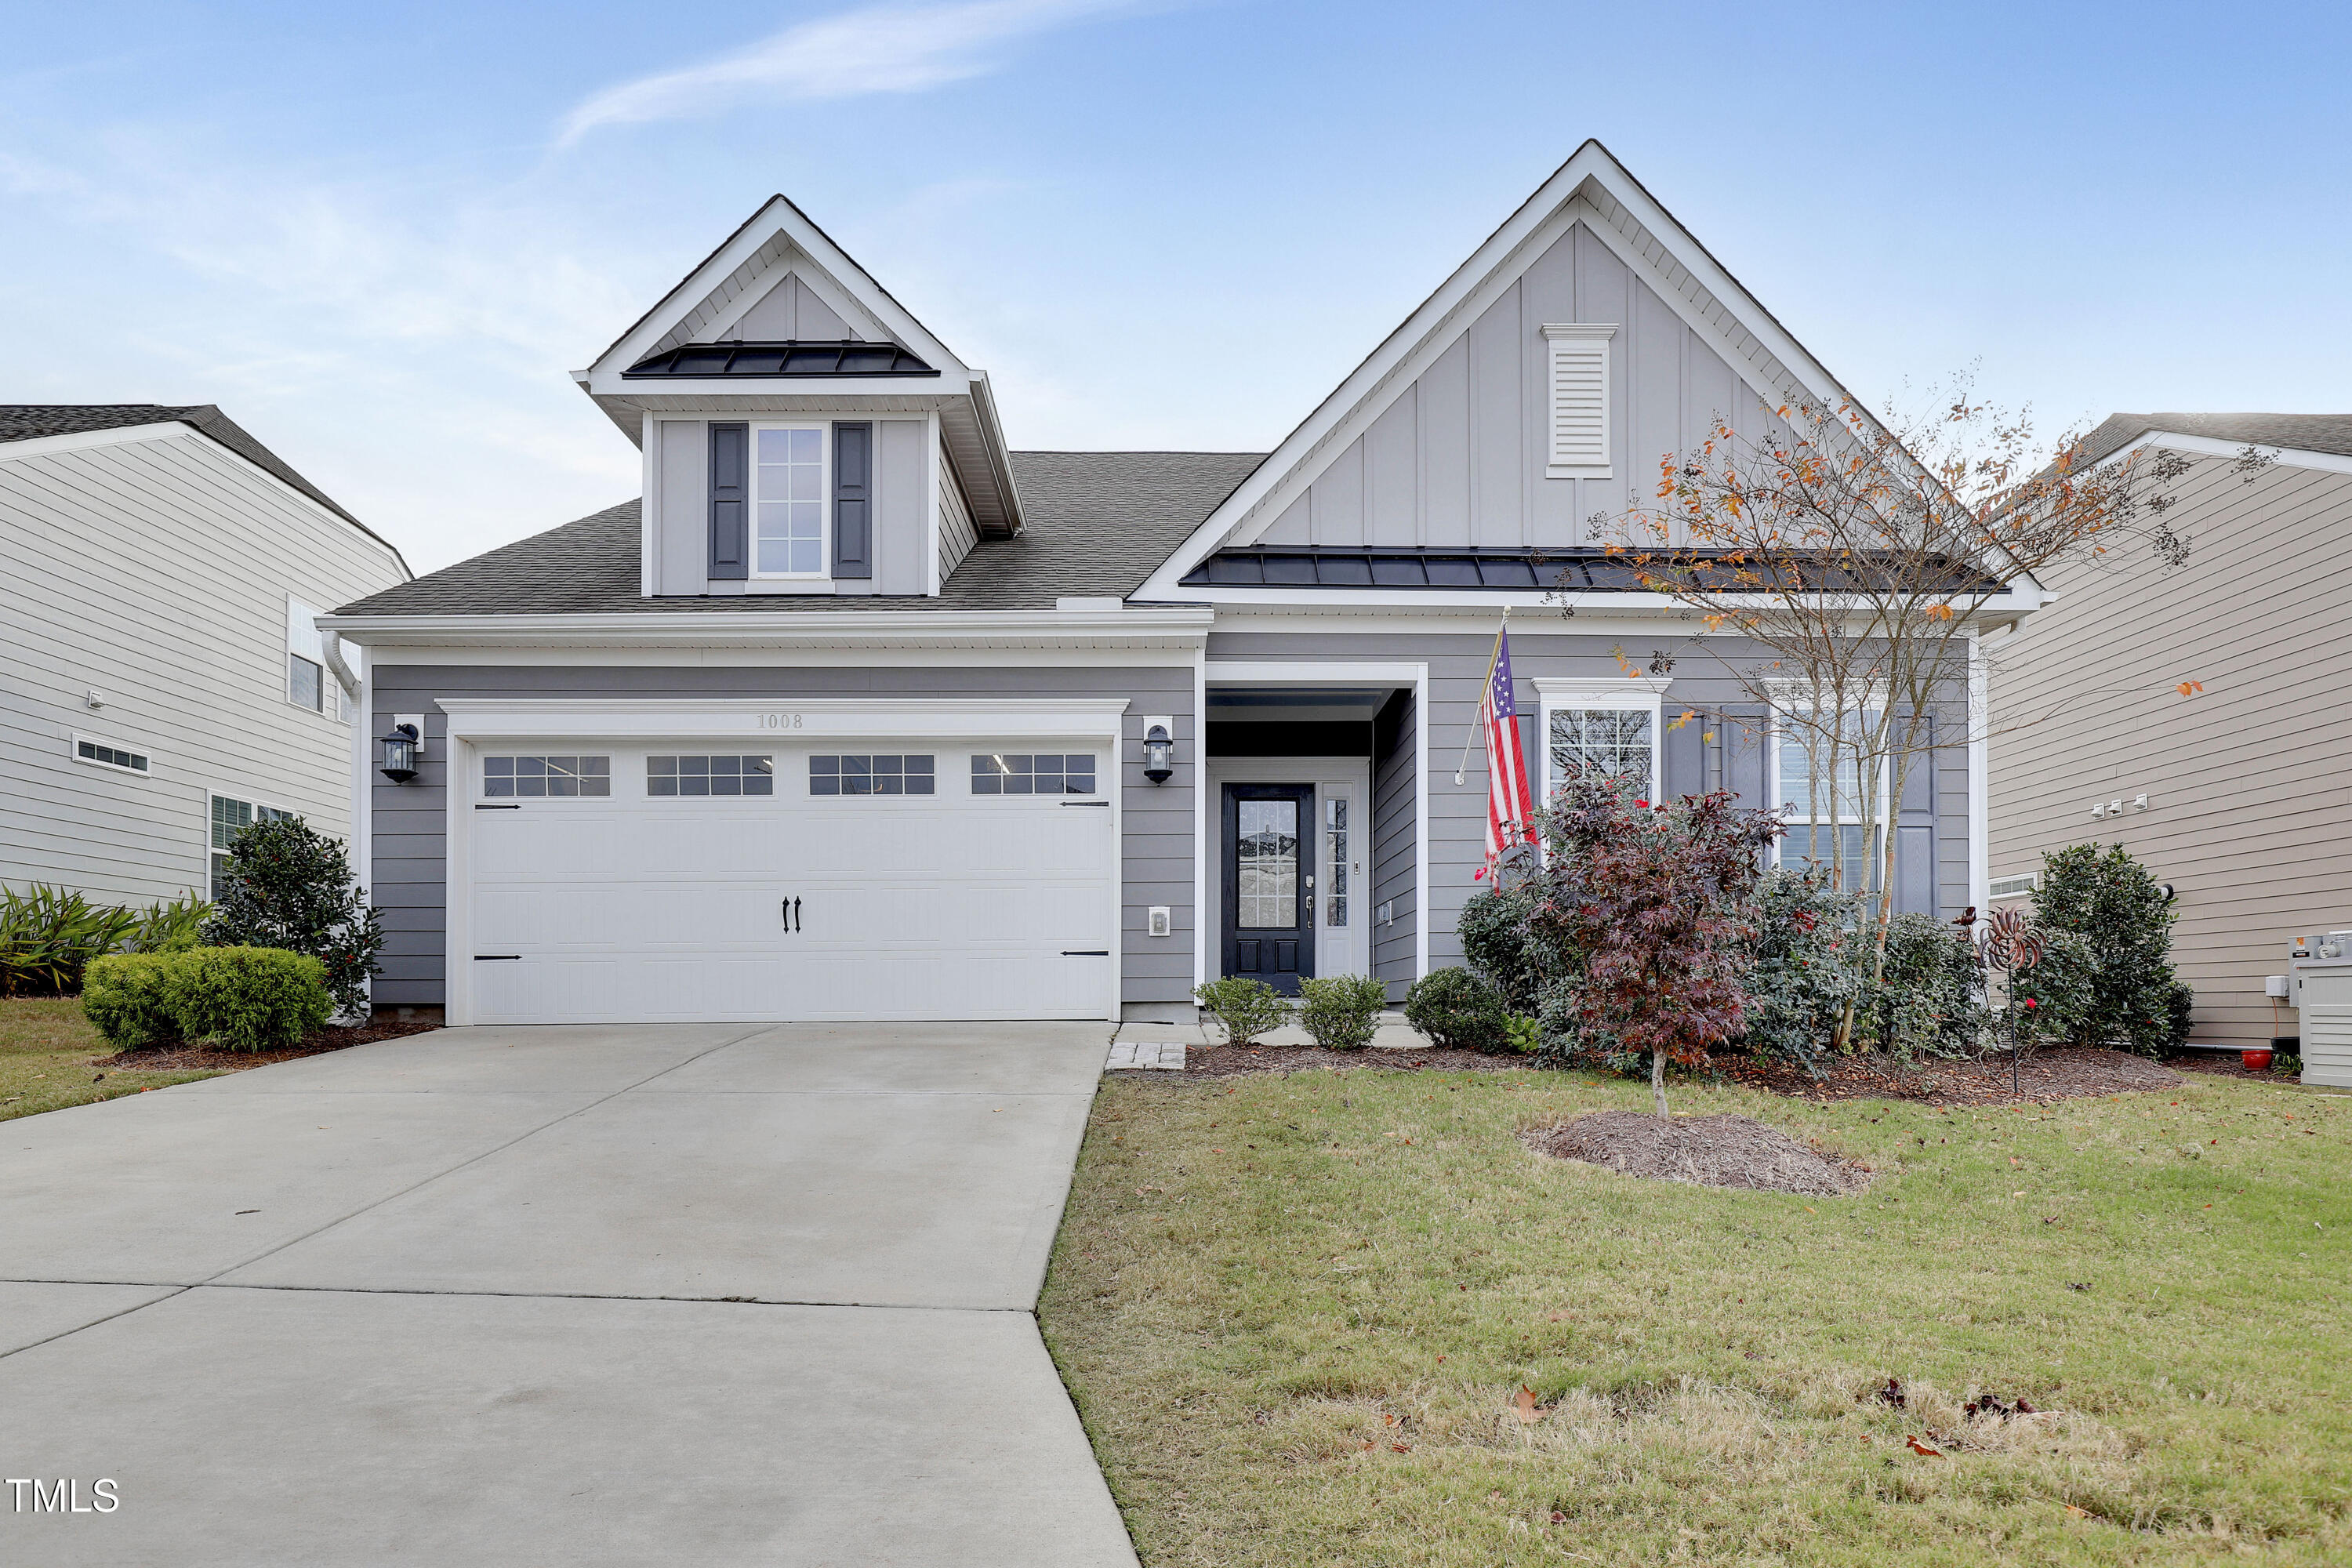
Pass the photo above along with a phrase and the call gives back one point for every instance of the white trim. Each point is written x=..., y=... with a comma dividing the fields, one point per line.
x=823, y=573
x=651, y=524
x=1353, y=774
x=1979, y=778
x=1171, y=626
x=78, y=740
x=1564, y=694
x=2210, y=446
x=1200, y=744
x=1031, y=656
x=256, y=804
x=362, y=741
x=622, y=719
x=1567, y=344
x=2018, y=887
x=934, y=483
x=1345, y=672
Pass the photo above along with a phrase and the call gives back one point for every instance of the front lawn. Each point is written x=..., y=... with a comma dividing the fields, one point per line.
x=46, y=1051
x=1296, y=1313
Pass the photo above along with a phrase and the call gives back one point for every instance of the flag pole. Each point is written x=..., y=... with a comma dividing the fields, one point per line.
x=1464, y=766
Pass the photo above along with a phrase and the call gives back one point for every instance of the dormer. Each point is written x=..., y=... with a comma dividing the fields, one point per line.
x=802, y=432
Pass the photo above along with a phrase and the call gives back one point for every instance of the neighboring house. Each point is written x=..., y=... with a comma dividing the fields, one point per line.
x=162, y=679
x=851, y=713
x=2236, y=794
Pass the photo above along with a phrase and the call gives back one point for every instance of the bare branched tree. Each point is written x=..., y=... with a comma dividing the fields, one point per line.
x=1859, y=556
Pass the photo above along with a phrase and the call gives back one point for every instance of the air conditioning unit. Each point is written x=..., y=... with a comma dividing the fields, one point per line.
x=2319, y=987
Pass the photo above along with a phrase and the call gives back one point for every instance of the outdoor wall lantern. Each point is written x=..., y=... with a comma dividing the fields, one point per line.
x=1159, y=751
x=400, y=746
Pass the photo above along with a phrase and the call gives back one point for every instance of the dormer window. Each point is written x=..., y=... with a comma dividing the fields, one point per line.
x=788, y=501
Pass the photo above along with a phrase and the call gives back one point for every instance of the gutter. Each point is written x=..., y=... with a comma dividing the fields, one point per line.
x=1185, y=627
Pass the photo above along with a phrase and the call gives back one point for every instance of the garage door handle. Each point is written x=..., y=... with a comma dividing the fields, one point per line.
x=1085, y=953
x=498, y=958
x=1104, y=803
x=791, y=908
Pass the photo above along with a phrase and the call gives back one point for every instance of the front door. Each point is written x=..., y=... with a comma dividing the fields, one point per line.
x=1269, y=883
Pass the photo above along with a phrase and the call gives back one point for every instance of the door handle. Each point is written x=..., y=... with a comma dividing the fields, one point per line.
x=788, y=909
x=798, y=924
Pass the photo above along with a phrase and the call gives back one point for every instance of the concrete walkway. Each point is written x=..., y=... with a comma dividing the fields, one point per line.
x=702, y=1294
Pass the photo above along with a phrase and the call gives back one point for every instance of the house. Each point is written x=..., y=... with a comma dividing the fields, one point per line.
x=854, y=711
x=164, y=681
x=2232, y=790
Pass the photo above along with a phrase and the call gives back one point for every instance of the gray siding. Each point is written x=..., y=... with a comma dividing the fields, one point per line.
x=1393, y=838
x=680, y=515
x=1156, y=864
x=789, y=308
x=1459, y=456
x=1458, y=812
x=957, y=533
x=157, y=572
x=2248, y=782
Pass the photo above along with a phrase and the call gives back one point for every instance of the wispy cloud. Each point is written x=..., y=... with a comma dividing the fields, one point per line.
x=881, y=49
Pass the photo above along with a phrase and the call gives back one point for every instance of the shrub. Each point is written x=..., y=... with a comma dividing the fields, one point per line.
x=1340, y=1011
x=1455, y=1007
x=1245, y=1008
x=1523, y=1034
x=291, y=888
x=1496, y=928
x=244, y=998
x=2118, y=909
x=1807, y=964
x=2063, y=987
x=47, y=935
x=1928, y=997
x=128, y=999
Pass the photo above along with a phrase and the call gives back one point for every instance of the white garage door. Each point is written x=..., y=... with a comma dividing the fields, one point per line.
x=723, y=881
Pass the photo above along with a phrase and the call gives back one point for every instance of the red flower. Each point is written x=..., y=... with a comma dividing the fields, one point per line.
x=1642, y=804
x=2031, y=1004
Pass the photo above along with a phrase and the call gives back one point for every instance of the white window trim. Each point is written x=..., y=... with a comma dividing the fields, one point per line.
x=1564, y=338
x=259, y=806
x=1776, y=795
x=1561, y=694
x=73, y=750
x=824, y=428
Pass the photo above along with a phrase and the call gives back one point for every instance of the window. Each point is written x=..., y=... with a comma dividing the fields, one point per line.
x=1334, y=880
x=538, y=776
x=303, y=686
x=229, y=819
x=1606, y=724
x=1266, y=870
x=1579, y=374
x=1032, y=773
x=788, y=493
x=870, y=776
x=1824, y=814
x=107, y=756
x=711, y=776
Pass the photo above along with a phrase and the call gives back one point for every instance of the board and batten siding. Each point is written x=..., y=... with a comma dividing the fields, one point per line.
x=2249, y=781
x=1459, y=456
x=1458, y=812
x=157, y=572
x=1156, y=850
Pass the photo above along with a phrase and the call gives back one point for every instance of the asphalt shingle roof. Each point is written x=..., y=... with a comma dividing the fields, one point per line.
x=2330, y=433
x=30, y=421
x=1097, y=523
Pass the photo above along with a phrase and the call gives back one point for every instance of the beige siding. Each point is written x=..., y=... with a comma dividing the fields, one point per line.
x=158, y=572
x=2249, y=783
x=957, y=535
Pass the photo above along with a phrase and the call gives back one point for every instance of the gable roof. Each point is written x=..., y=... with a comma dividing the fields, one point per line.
x=1592, y=185
x=1098, y=523
x=2327, y=433
x=32, y=421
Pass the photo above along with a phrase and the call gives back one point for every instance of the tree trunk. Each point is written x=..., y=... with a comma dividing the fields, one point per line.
x=1658, y=1079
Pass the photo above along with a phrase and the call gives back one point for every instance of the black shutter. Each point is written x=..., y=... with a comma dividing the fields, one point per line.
x=731, y=501
x=1686, y=755
x=853, y=501
x=1914, y=829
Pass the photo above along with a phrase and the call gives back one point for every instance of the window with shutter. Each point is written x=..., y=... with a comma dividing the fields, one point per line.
x=1580, y=401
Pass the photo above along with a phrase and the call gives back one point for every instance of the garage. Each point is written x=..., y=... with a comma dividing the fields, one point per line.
x=780, y=877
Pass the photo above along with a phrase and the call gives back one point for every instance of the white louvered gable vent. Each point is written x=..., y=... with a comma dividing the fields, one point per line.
x=1580, y=401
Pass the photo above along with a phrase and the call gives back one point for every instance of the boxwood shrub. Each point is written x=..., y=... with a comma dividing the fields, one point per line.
x=1457, y=1007
x=242, y=998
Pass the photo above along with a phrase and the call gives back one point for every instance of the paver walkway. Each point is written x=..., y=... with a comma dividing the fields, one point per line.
x=690, y=1294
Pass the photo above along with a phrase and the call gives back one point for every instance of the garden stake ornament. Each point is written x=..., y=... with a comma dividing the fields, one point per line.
x=2006, y=943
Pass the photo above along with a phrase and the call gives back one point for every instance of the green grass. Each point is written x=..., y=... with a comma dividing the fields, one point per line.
x=45, y=1049
x=1262, y=1288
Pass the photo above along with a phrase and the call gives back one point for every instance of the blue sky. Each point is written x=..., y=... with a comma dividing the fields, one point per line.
x=380, y=236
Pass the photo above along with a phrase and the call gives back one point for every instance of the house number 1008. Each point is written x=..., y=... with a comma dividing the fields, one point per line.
x=780, y=721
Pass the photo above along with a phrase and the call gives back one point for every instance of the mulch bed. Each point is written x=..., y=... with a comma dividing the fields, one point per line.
x=2047, y=1076
x=1706, y=1151
x=1226, y=1062
x=178, y=1057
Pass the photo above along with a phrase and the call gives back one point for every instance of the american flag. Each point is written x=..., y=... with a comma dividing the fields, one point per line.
x=1510, y=807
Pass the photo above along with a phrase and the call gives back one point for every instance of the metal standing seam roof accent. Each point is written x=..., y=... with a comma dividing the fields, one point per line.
x=795, y=358
x=1490, y=570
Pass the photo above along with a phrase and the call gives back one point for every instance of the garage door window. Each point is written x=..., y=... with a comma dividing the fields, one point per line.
x=871, y=775
x=711, y=776
x=547, y=776
x=1032, y=772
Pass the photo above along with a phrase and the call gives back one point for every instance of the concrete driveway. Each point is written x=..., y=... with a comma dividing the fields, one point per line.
x=692, y=1294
